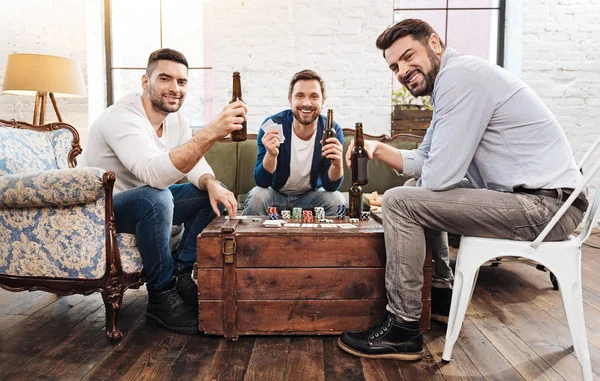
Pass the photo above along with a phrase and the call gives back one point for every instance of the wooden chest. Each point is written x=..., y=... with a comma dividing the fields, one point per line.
x=254, y=280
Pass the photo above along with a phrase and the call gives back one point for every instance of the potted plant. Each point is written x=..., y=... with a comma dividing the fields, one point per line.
x=410, y=115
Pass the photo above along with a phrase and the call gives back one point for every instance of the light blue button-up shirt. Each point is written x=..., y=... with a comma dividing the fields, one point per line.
x=491, y=128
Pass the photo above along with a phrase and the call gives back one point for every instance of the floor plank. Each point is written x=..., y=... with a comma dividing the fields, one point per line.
x=231, y=360
x=339, y=365
x=267, y=356
x=305, y=359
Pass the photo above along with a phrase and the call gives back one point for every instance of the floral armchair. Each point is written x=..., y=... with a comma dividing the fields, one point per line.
x=57, y=229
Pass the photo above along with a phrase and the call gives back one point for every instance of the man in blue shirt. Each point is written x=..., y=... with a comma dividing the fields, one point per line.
x=488, y=127
x=290, y=171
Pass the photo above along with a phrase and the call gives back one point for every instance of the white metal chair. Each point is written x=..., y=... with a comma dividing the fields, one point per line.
x=562, y=258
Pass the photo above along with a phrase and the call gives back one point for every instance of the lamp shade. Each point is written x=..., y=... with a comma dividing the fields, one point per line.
x=26, y=74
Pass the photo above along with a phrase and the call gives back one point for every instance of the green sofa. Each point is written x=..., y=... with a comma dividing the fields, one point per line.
x=233, y=164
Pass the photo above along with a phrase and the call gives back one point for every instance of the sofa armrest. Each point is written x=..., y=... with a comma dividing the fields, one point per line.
x=51, y=188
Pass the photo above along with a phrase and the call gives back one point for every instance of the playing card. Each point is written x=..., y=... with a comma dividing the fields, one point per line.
x=346, y=226
x=273, y=223
x=292, y=225
x=310, y=225
x=266, y=127
x=329, y=226
x=269, y=125
x=279, y=129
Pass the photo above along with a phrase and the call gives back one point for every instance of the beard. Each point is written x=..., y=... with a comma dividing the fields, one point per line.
x=159, y=104
x=429, y=77
x=304, y=120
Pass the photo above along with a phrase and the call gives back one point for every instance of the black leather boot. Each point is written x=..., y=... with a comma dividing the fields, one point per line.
x=187, y=288
x=388, y=338
x=441, y=298
x=167, y=309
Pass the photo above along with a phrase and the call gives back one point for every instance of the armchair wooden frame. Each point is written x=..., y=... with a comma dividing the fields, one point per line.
x=114, y=282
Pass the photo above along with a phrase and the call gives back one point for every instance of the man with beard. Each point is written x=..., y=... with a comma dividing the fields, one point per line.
x=292, y=173
x=487, y=126
x=148, y=143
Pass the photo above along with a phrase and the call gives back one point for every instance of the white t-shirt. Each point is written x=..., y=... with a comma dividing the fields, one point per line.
x=122, y=140
x=300, y=164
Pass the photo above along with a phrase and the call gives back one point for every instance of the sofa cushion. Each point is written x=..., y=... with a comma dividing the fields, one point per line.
x=131, y=259
x=247, y=151
x=55, y=242
x=222, y=158
x=22, y=150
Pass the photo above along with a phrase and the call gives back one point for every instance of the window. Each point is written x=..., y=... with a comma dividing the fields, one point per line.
x=473, y=27
x=135, y=28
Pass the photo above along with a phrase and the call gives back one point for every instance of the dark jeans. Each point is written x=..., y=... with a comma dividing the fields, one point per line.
x=149, y=213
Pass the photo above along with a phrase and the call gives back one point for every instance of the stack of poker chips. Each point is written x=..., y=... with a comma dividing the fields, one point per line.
x=341, y=211
x=273, y=216
x=297, y=213
x=271, y=210
x=319, y=212
x=307, y=216
x=286, y=214
x=364, y=216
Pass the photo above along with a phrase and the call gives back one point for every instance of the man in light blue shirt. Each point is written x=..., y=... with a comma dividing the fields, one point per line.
x=488, y=127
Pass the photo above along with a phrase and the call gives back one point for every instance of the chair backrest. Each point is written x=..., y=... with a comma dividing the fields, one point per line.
x=590, y=216
x=28, y=148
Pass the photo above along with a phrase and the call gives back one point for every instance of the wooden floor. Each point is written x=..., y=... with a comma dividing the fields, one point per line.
x=515, y=330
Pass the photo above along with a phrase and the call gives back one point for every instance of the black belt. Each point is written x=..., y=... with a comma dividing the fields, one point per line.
x=580, y=202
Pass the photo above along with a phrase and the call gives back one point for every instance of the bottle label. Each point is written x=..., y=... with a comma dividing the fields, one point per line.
x=363, y=174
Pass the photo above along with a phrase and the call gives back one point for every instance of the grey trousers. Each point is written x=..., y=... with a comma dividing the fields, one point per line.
x=409, y=213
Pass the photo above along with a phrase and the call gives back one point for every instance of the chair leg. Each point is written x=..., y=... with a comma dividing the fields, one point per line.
x=570, y=288
x=113, y=297
x=464, y=284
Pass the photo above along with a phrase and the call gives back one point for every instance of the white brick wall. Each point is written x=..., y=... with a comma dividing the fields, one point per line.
x=54, y=27
x=333, y=37
x=561, y=62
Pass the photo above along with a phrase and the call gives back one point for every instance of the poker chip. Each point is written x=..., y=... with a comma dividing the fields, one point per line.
x=273, y=216
x=285, y=214
x=297, y=213
x=319, y=212
x=354, y=220
x=307, y=216
x=341, y=211
x=271, y=210
x=364, y=216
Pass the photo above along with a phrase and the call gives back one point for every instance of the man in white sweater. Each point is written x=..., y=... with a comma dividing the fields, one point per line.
x=148, y=143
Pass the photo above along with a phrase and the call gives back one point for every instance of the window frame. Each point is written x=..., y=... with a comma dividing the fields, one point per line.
x=109, y=54
x=501, y=22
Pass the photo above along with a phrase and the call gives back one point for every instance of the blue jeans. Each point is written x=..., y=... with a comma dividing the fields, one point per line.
x=149, y=213
x=259, y=199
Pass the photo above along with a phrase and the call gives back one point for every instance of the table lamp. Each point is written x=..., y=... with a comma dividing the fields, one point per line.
x=43, y=76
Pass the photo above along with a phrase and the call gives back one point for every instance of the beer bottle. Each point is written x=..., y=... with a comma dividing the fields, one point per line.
x=329, y=131
x=360, y=160
x=356, y=200
x=238, y=135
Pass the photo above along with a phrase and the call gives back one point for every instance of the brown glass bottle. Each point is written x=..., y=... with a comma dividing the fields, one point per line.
x=356, y=201
x=329, y=131
x=360, y=159
x=238, y=135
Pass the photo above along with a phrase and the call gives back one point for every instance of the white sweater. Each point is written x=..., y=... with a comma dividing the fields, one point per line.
x=122, y=140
